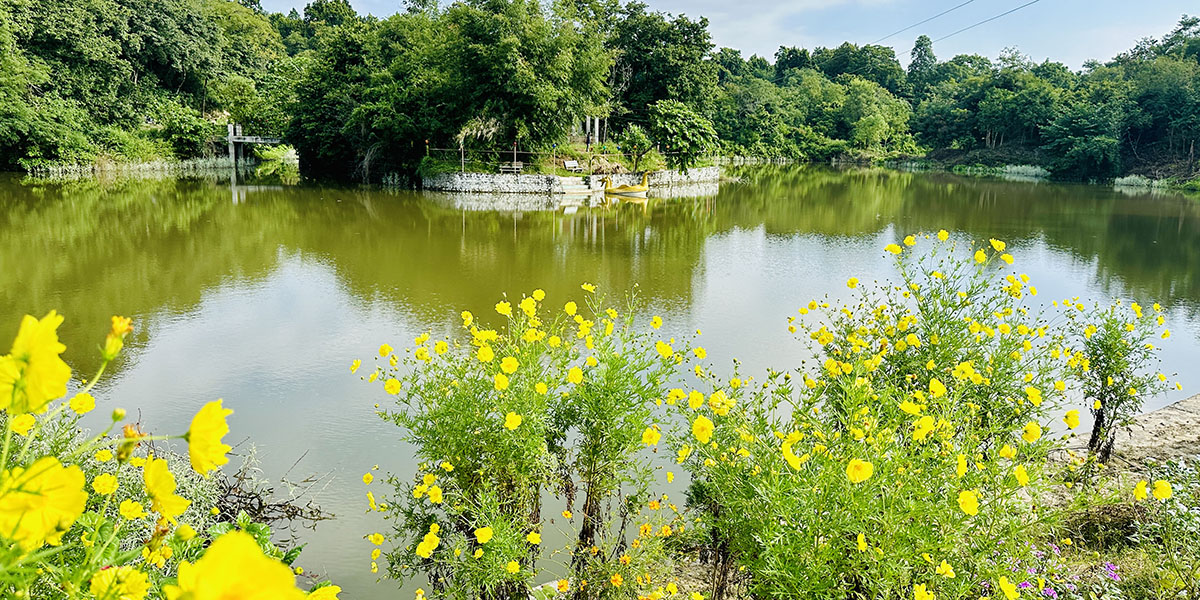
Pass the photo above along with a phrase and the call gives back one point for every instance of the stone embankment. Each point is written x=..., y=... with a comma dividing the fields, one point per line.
x=551, y=184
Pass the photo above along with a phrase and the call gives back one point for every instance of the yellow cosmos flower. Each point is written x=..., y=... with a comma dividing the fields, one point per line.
x=570, y=308
x=960, y=469
x=859, y=470
x=567, y=514
x=1140, y=491
x=945, y=570
x=104, y=484
x=368, y=478
x=385, y=350
x=234, y=566
x=1162, y=490
x=485, y=353
x=204, y=437
x=509, y=364
x=500, y=381
x=513, y=567
x=376, y=538
x=702, y=428
x=131, y=510
x=504, y=308
x=329, y=592
x=355, y=365
x=1008, y=452
x=922, y=428
x=483, y=535
x=587, y=287
x=695, y=399
x=82, y=403
x=651, y=436
x=1071, y=419
x=435, y=494
x=160, y=484
x=23, y=423
x=893, y=248
x=656, y=321
x=968, y=501
x=528, y=306
x=467, y=318
x=980, y=256
x=575, y=375
x=861, y=542
x=512, y=421
x=1022, y=475
x=852, y=282
x=998, y=245
x=1009, y=589
x=119, y=583
x=563, y=586
x=664, y=350
x=392, y=386
x=616, y=580
x=1032, y=432
x=185, y=532
x=104, y=455
x=33, y=374
x=943, y=235
x=39, y=504
x=534, y=538
x=919, y=593
x=937, y=389
x=541, y=388
x=910, y=240
x=1007, y=258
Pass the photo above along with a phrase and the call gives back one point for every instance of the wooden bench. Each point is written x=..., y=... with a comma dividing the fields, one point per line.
x=572, y=166
x=512, y=167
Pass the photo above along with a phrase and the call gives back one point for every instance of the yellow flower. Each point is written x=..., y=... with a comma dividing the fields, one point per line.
x=104, y=455
x=160, y=484
x=376, y=538
x=919, y=593
x=937, y=389
x=1139, y=490
x=998, y=245
x=922, y=428
x=483, y=535
x=541, y=388
x=23, y=423
x=392, y=386
x=513, y=567
x=664, y=350
x=1010, y=589
x=566, y=514
x=132, y=510
x=980, y=256
x=1071, y=419
x=1022, y=475
x=104, y=484
x=702, y=428
x=616, y=580
x=329, y=592
x=119, y=583
x=968, y=501
x=852, y=282
x=563, y=586
x=575, y=375
x=83, y=403
x=528, y=306
x=504, y=308
x=1007, y=258
x=33, y=374
x=385, y=350
x=893, y=248
x=859, y=470
x=39, y=504
x=651, y=436
x=467, y=318
x=960, y=468
x=1162, y=490
x=943, y=235
x=185, y=532
x=1008, y=452
x=512, y=421
x=485, y=353
x=587, y=287
x=368, y=478
x=945, y=570
x=509, y=364
x=910, y=241
x=500, y=381
x=1032, y=432
x=862, y=543
x=429, y=543
x=435, y=494
x=234, y=567
x=204, y=437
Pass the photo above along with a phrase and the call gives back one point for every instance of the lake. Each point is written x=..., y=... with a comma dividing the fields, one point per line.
x=263, y=294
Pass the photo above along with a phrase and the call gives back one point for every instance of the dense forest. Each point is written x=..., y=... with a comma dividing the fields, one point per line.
x=134, y=80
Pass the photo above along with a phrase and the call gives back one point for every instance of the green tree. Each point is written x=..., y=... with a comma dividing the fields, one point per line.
x=922, y=70
x=660, y=59
x=686, y=136
x=634, y=142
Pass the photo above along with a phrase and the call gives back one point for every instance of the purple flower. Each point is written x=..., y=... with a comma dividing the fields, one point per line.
x=1039, y=554
x=1050, y=593
x=1024, y=585
x=1031, y=571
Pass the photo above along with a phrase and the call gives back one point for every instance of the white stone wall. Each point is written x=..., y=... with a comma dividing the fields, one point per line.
x=666, y=178
x=492, y=182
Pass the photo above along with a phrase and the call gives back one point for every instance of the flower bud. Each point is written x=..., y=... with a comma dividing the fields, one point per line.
x=118, y=414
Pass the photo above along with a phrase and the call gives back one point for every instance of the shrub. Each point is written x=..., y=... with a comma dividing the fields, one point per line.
x=555, y=401
x=1171, y=533
x=912, y=460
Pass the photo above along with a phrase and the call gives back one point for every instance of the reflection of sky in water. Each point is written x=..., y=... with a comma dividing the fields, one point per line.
x=274, y=334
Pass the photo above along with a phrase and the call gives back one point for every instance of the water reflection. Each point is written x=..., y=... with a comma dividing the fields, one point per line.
x=262, y=293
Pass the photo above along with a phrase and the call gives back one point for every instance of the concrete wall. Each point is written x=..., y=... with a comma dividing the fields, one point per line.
x=492, y=182
x=666, y=178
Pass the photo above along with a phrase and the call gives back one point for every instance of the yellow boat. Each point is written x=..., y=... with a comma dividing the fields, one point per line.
x=635, y=191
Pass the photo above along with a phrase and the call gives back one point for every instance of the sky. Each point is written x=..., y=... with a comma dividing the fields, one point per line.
x=1068, y=31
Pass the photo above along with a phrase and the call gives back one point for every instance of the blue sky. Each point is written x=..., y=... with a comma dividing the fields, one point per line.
x=1070, y=31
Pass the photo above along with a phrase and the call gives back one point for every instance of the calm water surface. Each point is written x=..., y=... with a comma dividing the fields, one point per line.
x=262, y=295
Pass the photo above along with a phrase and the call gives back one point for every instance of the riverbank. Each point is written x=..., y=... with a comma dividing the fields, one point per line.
x=1169, y=433
x=508, y=183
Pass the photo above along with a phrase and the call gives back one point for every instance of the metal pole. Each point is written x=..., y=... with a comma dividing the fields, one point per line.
x=232, y=151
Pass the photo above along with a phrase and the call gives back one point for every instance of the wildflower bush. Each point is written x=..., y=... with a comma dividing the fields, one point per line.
x=555, y=403
x=1172, y=530
x=1116, y=364
x=100, y=517
x=912, y=456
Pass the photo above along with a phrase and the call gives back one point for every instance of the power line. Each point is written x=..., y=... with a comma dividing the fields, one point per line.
x=1008, y=12
x=947, y=11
